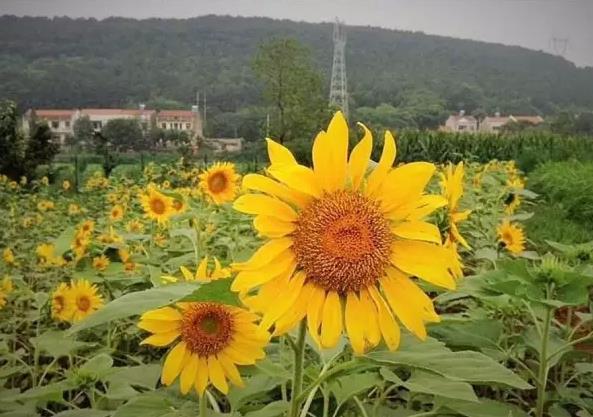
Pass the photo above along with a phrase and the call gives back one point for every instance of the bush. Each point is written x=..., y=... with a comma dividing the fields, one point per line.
x=129, y=171
x=89, y=171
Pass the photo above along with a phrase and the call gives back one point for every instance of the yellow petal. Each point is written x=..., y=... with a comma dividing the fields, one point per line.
x=458, y=237
x=283, y=264
x=161, y=339
x=424, y=260
x=331, y=326
x=372, y=333
x=265, y=254
x=230, y=370
x=413, y=295
x=263, y=204
x=188, y=373
x=202, y=271
x=293, y=316
x=422, y=208
x=378, y=175
x=387, y=324
x=239, y=357
x=173, y=363
x=165, y=313
x=405, y=183
x=297, y=177
x=330, y=153
x=257, y=182
x=418, y=230
x=279, y=155
x=201, y=376
x=314, y=311
x=360, y=157
x=216, y=374
x=186, y=273
x=353, y=319
x=158, y=326
x=409, y=314
x=286, y=302
x=272, y=227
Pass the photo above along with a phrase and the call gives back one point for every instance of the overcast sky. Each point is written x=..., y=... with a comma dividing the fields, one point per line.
x=529, y=23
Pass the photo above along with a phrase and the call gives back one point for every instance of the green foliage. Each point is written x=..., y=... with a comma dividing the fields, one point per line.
x=83, y=131
x=124, y=134
x=292, y=87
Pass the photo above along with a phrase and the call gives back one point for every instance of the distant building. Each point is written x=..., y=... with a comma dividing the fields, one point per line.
x=219, y=145
x=61, y=121
x=496, y=123
x=461, y=123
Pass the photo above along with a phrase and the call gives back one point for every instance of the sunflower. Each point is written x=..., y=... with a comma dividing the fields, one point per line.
x=513, y=199
x=66, y=185
x=87, y=227
x=85, y=299
x=79, y=245
x=179, y=205
x=6, y=288
x=100, y=263
x=47, y=256
x=219, y=182
x=511, y=237
x=202, y=273
x=116, y=213
x=135, y=226
x=62, y=303
x=160, y=240
x=452, y=189
x=8, y=256
x=73, y=209
x=343, y=244
x=214, y=338
x=156, y=205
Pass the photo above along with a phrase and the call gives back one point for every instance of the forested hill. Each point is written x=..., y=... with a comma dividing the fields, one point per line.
x=65, y=62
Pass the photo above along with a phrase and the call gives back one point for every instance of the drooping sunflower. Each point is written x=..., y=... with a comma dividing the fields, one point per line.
x=116, y=213
x=452, y=189
x=85, y=299
x=157, y=206
x=219, y=182
x=62, y=303
x=202, y=274
x=511, y=237
x=513, y=199
x=343, y=245
x=214, y=339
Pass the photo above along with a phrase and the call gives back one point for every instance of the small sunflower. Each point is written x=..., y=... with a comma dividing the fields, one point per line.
x=135, y=226
x=511, y=237
x=452, y=189
x=87, y=227
x=6, y=288
x=73, y=209
x=116, y=213
x=179, y=205
x=85, y=299
x=47, y=256
x=214, y=339
x=8, y=256
x=66, y=185
x=156, y=205
x=343, y=244
x=219, y=182
x=62, y=303
x=513, y=199
x=100, y=263
x=160, y=240
x=202, y=273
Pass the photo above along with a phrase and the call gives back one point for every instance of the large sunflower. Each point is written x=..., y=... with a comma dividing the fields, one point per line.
x=85, y=299
x=343, y=245
x=156, y=205
x=214, y=338
x=219, y=182
x=511, y=237
x=203, y=273
x=452, y=189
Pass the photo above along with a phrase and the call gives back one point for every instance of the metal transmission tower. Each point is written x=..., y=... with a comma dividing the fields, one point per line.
x=559, y=45
x=338, y=91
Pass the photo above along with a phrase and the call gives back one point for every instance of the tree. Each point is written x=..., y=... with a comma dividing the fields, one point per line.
x=124, y=134
x=83, y=131
x=12, y=144
x=292, y=87
x=41, y=149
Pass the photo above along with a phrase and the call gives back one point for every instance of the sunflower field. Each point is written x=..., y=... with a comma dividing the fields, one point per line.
x=344, y=288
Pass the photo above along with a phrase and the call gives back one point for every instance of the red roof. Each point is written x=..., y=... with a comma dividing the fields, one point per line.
x=54, y=113
x=117, y=112
x=530, y=119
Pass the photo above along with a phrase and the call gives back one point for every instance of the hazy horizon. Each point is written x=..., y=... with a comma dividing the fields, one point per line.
x=529, y=23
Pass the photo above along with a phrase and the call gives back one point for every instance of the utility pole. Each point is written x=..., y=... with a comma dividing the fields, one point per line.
x=338, y=92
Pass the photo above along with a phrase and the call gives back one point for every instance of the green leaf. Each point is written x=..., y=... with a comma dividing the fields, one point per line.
x=484, y=408
x=157, y=404
x=83, y=412
x=123, y=380
x=218, y=290
x=347, y=386
x=136, y=303
x=51, y=392
x=433, y=384
x=97, y=367
x=471, y=334
x=433, y=356
x=57, y=344
x=62, y=243
x=255, y=387
x=274, y=409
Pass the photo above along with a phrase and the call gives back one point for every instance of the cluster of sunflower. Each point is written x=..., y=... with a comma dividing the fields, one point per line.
x=344, y=249
x=74, y=301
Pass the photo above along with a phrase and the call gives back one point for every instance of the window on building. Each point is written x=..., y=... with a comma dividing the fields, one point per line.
x=175, y=126
x=97, y=125
x=461, y=127
x=67, y=123
x=163, y=125
x=188, y=126
x=55, y=124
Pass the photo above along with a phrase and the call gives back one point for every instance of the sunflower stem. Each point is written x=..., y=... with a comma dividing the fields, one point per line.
x=203, y=404
x=297, y=379
x=542, y=374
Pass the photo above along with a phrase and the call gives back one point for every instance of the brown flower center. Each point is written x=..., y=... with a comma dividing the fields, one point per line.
x=217, y=182
x=83, y=303
x=207, y=328
x=58, y=303
x=177, y=204
x=157, y=205
x=342, y=241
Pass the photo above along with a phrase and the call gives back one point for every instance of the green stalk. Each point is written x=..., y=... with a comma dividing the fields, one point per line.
x=297, y=379
x=203, y=405
x=542, y=374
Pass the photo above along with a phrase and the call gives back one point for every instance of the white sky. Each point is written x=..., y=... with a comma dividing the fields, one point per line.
x=529, y=23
